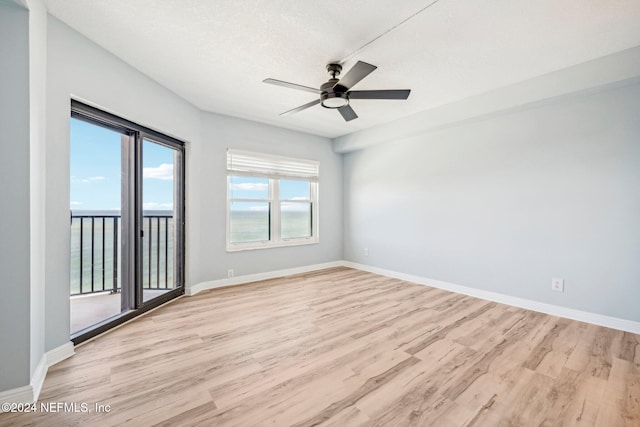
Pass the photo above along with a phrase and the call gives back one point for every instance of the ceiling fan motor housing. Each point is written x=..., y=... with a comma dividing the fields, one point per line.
x=334, y=70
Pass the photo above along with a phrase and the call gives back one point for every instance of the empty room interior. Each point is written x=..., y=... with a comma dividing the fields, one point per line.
x=320, y=213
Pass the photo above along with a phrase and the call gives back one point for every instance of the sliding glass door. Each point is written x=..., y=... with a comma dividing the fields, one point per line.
x=161, y=195
x=96, y=206
x=127, y=220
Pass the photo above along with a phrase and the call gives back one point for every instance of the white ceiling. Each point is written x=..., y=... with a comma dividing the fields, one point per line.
x=216, y=53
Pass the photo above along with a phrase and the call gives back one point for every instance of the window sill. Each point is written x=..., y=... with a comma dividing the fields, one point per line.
x=285, y=244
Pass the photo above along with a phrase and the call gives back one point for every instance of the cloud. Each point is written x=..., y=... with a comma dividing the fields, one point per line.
x=164, y=172
x=76, y=203
x=250, y=186
x=88, y=180
x=157, y=206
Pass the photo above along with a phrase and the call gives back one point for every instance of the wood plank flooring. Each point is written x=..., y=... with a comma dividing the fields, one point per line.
x=342, y=347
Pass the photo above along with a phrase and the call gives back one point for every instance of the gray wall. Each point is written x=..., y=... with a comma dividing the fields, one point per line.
x=207, y=256
x=78, y=68
x=506, y=203
x=14, y=196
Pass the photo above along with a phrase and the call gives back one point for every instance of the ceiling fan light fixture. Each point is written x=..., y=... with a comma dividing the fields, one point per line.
x=334, y=100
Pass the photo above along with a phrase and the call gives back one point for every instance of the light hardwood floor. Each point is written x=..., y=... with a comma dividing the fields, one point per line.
x=343, y=347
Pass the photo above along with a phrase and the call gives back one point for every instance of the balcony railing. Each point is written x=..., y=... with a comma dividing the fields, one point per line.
x=95, y=251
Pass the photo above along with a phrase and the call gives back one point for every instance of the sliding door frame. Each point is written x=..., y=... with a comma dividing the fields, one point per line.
x=179, y=274
x=133, y=136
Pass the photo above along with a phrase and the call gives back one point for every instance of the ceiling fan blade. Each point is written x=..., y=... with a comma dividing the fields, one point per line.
x=347, y=113
x=379, y=94
x=291, y=85
x=354, y=75
x=302, y=107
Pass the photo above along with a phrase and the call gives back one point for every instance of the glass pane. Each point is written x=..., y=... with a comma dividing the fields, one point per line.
x=249, y=222
x=295, y=190
x=295, y=220
x=95, y=188
x=158, y=194
x=246, y=187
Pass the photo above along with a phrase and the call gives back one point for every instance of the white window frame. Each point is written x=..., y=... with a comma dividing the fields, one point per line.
x=274, y=168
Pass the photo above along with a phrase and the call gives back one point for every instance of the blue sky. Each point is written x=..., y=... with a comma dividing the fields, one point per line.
x=96, y=174
x=96, y=171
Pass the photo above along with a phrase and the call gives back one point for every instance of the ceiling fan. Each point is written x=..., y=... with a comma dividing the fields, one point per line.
x=336, y=93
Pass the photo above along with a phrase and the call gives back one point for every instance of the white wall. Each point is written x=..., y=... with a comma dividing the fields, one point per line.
x=14, y=197
x=37, y=169
x=79, y=68
x=506, y=203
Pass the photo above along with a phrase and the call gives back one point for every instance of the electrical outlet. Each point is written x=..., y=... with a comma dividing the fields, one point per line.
x=230, y=273
x=557, y=284
x=366, y=251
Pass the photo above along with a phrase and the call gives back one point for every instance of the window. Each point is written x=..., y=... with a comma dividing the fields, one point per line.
x=271, y=201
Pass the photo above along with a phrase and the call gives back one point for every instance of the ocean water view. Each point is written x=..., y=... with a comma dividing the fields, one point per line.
x=253, y=226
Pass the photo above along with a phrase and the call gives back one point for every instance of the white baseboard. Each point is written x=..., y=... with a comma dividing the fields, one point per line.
x=240, y=280
x=31, y=392
x=37, y=379
x=59, y=354
x=554, y=310
x=17, y=395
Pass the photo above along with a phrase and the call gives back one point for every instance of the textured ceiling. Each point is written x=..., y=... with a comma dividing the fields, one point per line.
x=215, y=54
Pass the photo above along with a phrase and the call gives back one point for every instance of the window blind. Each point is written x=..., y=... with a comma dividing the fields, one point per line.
x=270, y=166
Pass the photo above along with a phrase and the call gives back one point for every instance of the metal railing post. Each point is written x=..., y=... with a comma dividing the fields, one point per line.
x=166, y=252
x=103, y=269
x=115, y=254
x=150, y=245
x=158, y=253
x=93, y=235
x=81, y=251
